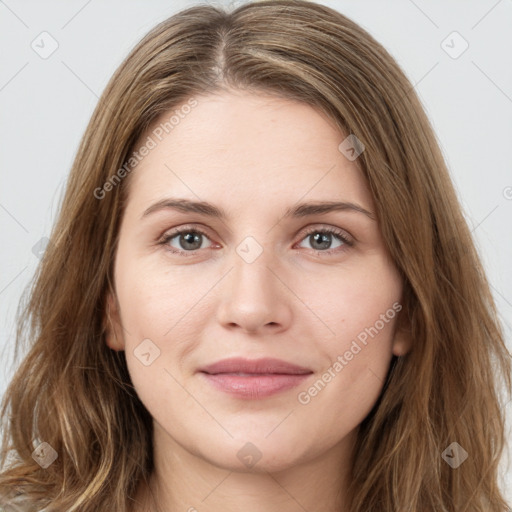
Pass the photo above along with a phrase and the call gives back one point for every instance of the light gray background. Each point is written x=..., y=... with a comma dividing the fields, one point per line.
x=46, y=104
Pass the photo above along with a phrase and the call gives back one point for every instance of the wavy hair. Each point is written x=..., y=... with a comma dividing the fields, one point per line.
x=73, y=392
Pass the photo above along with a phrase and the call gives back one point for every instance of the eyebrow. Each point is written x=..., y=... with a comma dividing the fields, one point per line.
x=298, y=211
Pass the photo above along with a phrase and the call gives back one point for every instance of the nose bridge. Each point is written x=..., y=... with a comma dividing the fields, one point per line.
x=254, y=296
x=251, y=261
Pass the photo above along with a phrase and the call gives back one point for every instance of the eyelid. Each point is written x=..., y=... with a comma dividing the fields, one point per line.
x=342, y=233
x=181, y=228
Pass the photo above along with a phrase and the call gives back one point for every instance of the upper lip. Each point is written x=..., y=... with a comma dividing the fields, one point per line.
x=256, y=366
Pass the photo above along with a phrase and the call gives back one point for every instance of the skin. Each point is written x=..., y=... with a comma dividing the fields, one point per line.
x=253, y=155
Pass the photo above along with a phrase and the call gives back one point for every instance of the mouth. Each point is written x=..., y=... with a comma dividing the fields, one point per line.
x=254, y=379
x=264, y=366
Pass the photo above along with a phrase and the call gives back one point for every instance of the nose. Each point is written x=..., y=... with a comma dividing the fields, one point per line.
x=255, y=297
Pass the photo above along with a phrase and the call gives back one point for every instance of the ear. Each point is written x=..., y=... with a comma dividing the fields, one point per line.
x=402, y=340
x=112, y=324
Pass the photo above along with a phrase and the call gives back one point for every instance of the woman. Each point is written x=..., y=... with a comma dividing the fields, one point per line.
x=261, y=293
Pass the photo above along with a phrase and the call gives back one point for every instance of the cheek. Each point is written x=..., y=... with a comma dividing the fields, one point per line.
x=161, y=329
x=353, y=299
x=356, y=365
x=341, y=398
x=154, y=301
x=162, y=318
x=359, y=307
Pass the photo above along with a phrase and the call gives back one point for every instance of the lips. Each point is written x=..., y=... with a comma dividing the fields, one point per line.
x=254, y=379
x=263, y=366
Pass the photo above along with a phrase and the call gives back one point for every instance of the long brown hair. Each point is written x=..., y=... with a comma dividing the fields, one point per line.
x=74, y=393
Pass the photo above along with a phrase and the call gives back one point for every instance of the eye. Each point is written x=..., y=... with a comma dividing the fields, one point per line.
x=321, y=239
x=187, y=240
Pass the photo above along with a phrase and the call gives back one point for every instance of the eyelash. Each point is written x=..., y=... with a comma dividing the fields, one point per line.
x=189, y=229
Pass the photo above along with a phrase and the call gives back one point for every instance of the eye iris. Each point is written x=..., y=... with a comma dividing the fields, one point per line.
x=189, y=238
x=325, y=240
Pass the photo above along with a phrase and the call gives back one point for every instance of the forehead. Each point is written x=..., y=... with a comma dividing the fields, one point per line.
x=241, y=148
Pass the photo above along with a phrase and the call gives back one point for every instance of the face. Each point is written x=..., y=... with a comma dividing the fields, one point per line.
x=271, y=278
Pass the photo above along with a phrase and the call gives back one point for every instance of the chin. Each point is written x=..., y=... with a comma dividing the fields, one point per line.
x=253, y=454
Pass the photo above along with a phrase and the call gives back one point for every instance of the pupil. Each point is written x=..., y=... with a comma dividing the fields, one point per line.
x=324, y=239
x=190, y=238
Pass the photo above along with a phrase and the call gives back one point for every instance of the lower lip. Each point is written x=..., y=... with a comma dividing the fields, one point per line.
x=254, y=387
